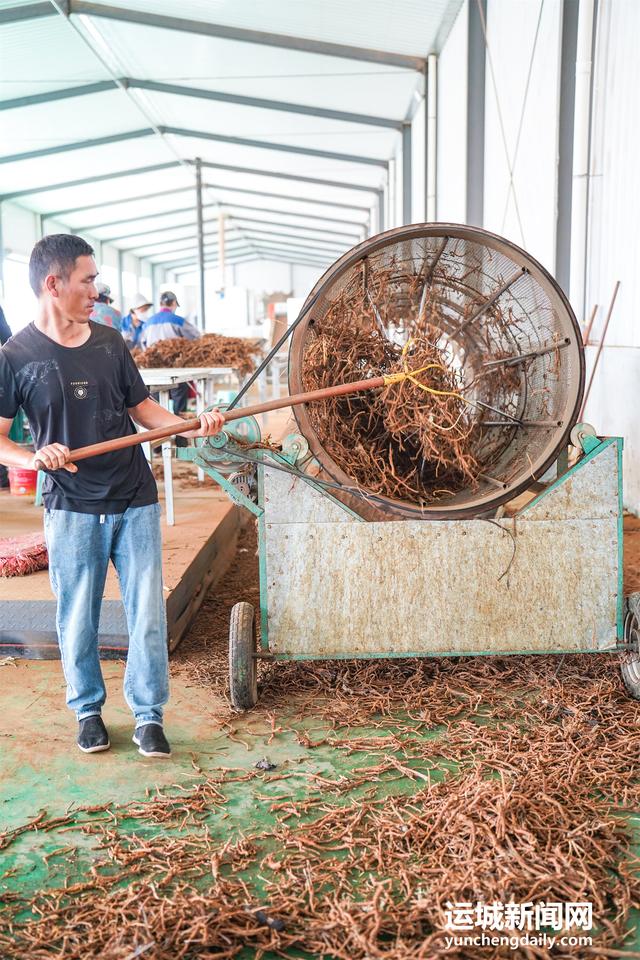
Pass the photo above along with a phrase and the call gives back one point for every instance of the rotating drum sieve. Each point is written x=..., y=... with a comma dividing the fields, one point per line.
x=506, y=329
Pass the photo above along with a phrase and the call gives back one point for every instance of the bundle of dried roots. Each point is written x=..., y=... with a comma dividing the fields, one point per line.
x=415, y=438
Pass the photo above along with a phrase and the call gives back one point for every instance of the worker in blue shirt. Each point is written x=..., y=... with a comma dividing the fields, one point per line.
x=165, y=325
x=103, y=310
x=133, y=322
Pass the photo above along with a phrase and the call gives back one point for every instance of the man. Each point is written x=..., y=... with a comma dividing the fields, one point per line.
x=78, y=385
x=5, y=333
x=103, y=310
x=132, y=324
x=163, y=326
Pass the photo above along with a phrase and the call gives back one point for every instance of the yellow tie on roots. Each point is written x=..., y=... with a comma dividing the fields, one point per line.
x=412, y=375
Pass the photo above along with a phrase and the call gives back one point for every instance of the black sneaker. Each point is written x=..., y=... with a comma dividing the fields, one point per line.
x=92, y=735
x=151, y=741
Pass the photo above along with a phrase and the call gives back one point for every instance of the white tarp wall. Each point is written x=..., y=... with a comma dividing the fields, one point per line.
x=613, y=251
x=521, y=126
x=451, y=184
x=21, y=231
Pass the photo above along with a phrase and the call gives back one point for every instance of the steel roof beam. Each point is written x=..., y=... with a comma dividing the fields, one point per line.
x=281, y=147
x=314, y=249
x=66, y=93
x=290, y=176
x=197, y=135
x=209, y=206
x=187, y=261
x=209, y=186
x=293, y=226
x=145, y=233
x=29, y=11
x=78, y=145
x=291, y=257
x=242, y=35
x=96, y=205
x=262, y=104
x=190, y=266
x=189, y=238
x=133, y=83
x=322, y=241
x=134, y=171
x=333, y=250
x=286, y=196
x=324, y=245
x=176, y=163
x=292, y=213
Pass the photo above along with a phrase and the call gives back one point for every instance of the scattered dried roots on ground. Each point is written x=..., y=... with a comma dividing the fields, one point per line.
x=478, y=779
x=210, y=350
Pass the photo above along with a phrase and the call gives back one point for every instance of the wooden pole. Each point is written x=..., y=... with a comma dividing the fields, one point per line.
x=588, y=328
x=161, y=433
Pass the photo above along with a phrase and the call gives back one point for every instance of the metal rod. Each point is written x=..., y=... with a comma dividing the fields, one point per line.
x=264, y=104
x=599, y=350
x=521, y=423
x=490, y=302
x=121, y=280
x=432, y=268
x=271, y=145
x=200, y=238
x=513, y=361
x=221, y=257
x=406, y=173
x=432, y=133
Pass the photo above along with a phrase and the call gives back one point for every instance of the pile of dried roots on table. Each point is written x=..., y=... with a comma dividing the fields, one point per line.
x=210, y=350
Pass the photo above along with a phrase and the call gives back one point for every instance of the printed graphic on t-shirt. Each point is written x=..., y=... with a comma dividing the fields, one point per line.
x=80, y=389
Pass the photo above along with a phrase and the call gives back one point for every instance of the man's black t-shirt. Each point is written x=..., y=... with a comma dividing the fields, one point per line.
x=77, y=396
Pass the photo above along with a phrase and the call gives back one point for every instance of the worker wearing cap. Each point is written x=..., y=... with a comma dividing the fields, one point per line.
x=103, y=310
x=165, y=325
x=134, y=320
x=78, y=385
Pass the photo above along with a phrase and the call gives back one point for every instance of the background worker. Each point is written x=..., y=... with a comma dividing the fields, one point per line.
x=103, y=310
x=78, y=385
x=132, y=324
x=163, y=326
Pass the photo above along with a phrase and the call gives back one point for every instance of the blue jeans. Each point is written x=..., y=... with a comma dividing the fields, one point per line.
x=80, y=546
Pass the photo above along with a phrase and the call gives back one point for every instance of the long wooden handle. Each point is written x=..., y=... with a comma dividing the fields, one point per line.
x=161, y=433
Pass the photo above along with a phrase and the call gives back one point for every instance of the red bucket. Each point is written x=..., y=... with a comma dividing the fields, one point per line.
x=22, y=483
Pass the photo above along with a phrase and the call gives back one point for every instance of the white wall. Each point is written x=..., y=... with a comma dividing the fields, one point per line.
x=613, y=251
x=526, y=121
x=451, y=185
x=21, y=230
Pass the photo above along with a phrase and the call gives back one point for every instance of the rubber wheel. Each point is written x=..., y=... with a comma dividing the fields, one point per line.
x=243, y=673
x=630, y=666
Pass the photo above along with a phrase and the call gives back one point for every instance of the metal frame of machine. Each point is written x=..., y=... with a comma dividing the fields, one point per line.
x=545, y=580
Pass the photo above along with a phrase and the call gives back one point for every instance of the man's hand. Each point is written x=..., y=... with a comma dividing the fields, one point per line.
x=54, y=456
x=211, y=423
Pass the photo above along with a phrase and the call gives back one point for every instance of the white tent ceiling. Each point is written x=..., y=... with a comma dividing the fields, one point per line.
x=105, y=108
